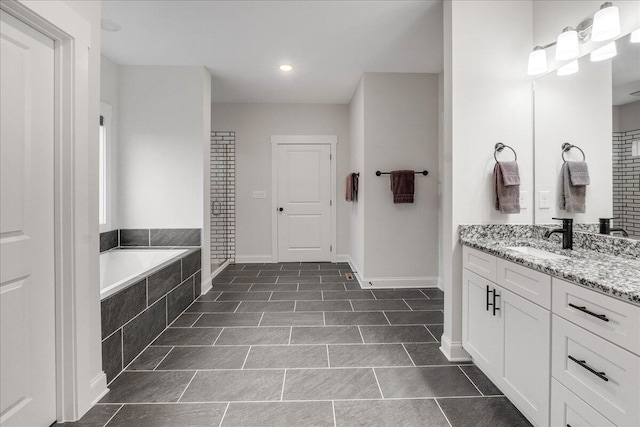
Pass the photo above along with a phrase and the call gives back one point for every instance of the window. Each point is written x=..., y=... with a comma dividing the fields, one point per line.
x=102, y=170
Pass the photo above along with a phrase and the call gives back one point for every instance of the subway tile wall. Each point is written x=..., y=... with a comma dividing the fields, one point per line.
x=223, y=199
x=626, y=183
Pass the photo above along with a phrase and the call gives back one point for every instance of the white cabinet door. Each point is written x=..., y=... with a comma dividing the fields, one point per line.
x=482, y=329
x=304, y=210
x=27, y=282
x=526, y=366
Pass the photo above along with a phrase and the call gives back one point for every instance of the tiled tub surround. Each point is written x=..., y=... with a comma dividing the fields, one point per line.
x=147, y=237
x=135, y=316
x=615, y=275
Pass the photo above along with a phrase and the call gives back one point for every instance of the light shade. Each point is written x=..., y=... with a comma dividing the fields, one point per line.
x=635, y=36
x=567, y=46
x=537, y=62
x=286, y=68
x=571, y=68
x=605, y=52
x=606, y=23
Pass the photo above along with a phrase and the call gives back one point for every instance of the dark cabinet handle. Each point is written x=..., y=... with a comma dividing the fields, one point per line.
x=488, y=300
x=495, y=307
x=591, y=313
x=582, y=363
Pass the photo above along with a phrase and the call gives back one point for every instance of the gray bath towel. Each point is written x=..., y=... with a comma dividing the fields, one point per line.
x=510, y=173
x=507, y=197
x=579, y=173
x=572, y=197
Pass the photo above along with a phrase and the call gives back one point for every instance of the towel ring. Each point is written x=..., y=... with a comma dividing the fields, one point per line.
x=566, y=147
x=499, y=147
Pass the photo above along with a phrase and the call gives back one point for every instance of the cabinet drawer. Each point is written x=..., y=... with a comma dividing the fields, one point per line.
x=614, y=320
x=567, y=409
x=529, y=284
x=602, y=374
x=481, y=263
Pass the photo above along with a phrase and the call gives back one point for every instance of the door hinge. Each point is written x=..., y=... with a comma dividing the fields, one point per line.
x=330, y=248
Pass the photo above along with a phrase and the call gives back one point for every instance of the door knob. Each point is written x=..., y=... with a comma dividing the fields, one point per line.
x=281, y=209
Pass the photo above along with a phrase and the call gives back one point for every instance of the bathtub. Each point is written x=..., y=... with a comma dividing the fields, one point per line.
x=118, y=268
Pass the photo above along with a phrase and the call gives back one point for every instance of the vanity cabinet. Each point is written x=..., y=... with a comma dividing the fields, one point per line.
x=563, y=354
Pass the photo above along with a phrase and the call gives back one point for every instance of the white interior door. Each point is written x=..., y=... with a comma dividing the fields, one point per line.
x=304, y=202
x=27, y=283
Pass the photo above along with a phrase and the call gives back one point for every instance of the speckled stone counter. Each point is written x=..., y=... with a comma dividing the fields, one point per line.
x=614, y=275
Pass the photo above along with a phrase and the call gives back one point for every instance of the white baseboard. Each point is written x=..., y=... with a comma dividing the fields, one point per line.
x=453, y=351
x=398, y=282
x=254, y=259
x=343, y=258
x=208, y=283
x=98, y=387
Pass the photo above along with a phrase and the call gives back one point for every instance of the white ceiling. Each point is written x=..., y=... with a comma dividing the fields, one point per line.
x=626, y=72
x=329, y=43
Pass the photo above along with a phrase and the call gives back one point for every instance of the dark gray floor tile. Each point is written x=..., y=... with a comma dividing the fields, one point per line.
x=296, y=296
x=258, y=267
x=186, y=320
x=175, y=236
x=395, y=334
x=314, y=273
x=244, y=296
x=265, y=306
x=149, y=359
x=357, y=318
x=436, y=331
x=209, y=296
x=433, y=293
x=254, y=336
x=112, y=355
x=142, y=330
x=287, y=356
x=380, y=305
x=188, y=414
x=368, y=355
x=426, y=304
x=335, y=279
x=253, y=280
x=231, y=287
x=415, y=317
x=292, y=319
x=478, y=412
x=213, y=307
x=323, y=306
x=95, y=417
x=279, y=273
x=303, y=266
x=399, y=294
x=342, y=295
x=352, y=286
x=188, y=336
x=241, y=385
x=192, y=358
x=268, y=287
x=481, y=381
x=118, y=309
x=322, y=287
x=228, y=319
x=332, y=266
x=385, y=413
x=301, y=280
x=247, y=272
x=147, y=387
x=424, y=382
x=161, y=282
x=279, y=414
x=427, y=354
x=329, y=384
x=325, y=335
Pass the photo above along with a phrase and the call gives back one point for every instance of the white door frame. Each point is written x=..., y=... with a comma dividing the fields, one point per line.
x=78, y=385
x=277, y=140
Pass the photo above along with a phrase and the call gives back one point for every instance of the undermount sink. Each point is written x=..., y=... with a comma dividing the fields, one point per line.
x=539, y=253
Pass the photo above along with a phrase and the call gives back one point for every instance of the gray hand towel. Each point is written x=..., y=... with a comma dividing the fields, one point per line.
x=507, y=197
x=578, y=172
x=510, y=173
x=572, y=197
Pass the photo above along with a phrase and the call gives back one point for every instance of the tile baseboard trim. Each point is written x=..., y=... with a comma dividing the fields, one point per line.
x=254, y=259
x=399, y=282
x=453, y=351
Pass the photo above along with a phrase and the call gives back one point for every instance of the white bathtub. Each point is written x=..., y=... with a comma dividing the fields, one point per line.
x=119, y=267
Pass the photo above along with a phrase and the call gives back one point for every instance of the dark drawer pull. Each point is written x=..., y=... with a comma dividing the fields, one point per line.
x=495, y=307
x=582, y=363
x=584, y=310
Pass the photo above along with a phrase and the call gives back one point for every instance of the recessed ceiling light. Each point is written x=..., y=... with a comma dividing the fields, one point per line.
x=109, y=25
x=286, y=68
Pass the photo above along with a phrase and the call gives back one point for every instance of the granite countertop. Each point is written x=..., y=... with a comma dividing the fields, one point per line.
x=612, y=275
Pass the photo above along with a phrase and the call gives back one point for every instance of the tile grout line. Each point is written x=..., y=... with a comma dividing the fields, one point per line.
x=162, y=360
x=377, y=382
x=352, y=307
x=324, y=319
x=474, y=384
x=261, y=317
x=284, y=380
x=219, y=335
x=185, y=389
x=385, y=316
x=407, y=351
x=442, y=410
x=328, y=358
x=225, y=412
x=405, y=301
x=290, y=333
x=113, y=416
x=333, y=407
x=361, y=336
x=246, y=358
x=431, y=333
x=237, y=307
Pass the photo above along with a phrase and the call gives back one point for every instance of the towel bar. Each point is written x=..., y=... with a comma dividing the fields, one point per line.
x=498, y=149
x=566, y=147
x=425, y=173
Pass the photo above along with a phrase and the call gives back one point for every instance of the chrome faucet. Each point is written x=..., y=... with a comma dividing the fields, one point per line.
x=566, y=230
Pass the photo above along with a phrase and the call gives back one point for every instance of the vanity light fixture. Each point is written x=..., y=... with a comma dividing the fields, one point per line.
x=606, y=23
x=567, y=44
x=286, y=68
x=568, y=69
x=605, y=52
x=537, y=61
x=635, y=36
